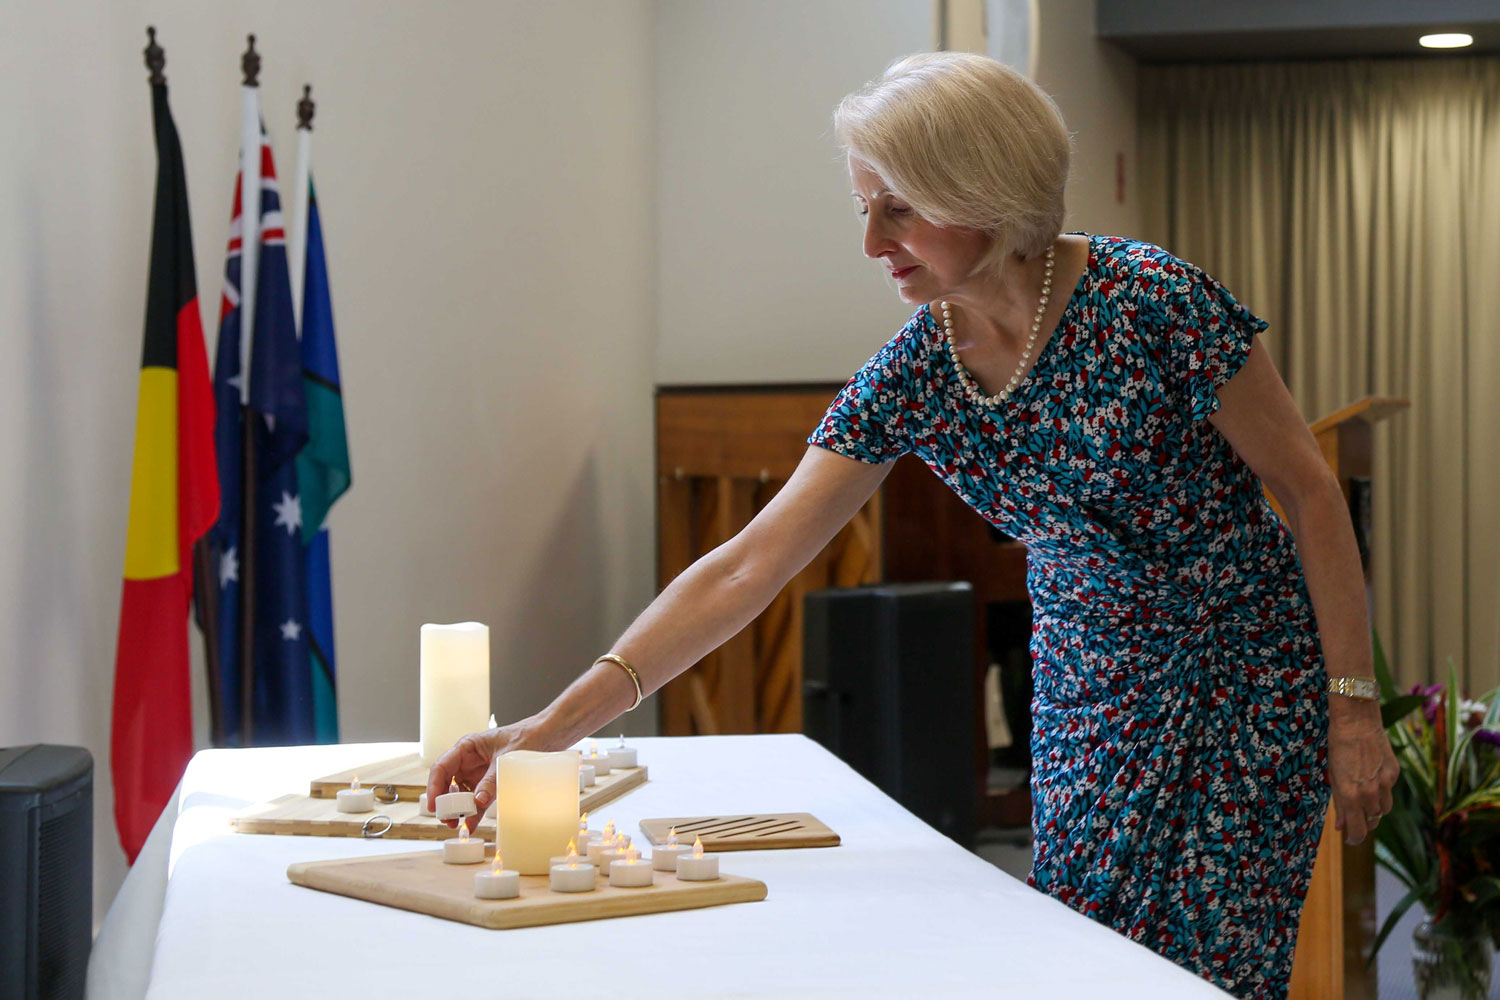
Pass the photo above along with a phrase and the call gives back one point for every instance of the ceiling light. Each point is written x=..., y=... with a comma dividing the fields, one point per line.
x=1449, y=41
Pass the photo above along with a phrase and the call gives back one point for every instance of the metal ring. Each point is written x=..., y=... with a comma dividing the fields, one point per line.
x=395, y=796
x=364, y=828
x=1372, y=818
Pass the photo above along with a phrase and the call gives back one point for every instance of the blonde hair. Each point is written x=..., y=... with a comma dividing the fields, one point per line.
x=966, y=141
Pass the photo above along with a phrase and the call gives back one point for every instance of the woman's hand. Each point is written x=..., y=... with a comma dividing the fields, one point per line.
x=1361, y=766
x=471, y=761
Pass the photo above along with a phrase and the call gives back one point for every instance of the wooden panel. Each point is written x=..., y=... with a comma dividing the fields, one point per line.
x=406, y=777
x=746, y=435
x=300, y=816
x=744, y=832
x=421, y=883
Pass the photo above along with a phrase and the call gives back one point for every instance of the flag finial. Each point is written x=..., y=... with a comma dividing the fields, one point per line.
x=250, y=63
x=156, y=59
x=305, y=108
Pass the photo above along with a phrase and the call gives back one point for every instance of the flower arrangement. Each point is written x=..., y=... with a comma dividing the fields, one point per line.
x=1442, y=835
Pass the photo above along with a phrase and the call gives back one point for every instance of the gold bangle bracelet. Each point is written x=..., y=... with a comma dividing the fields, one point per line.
x=635, y=678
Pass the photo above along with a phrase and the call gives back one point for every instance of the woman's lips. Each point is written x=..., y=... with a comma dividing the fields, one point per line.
x=902, y=272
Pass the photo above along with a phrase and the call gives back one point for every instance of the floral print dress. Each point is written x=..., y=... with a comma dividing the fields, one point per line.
x=1179, y=715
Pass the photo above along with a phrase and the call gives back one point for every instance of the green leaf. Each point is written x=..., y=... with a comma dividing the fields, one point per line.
x=1382, y=669
x=1452, y=699
x=1398, y=708
x=1390, y=924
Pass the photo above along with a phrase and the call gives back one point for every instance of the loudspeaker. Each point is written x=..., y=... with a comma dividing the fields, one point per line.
x=889, y=687
x=46, y=871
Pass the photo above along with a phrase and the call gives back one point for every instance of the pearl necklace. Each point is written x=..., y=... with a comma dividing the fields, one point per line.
x=970, y=386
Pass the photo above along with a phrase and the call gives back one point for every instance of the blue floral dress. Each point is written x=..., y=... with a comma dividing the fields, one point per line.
x=1180, y=719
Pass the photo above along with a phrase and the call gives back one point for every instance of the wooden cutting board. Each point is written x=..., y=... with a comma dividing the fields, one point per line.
x=744, y=832
x=420, y=882
x=406, y=778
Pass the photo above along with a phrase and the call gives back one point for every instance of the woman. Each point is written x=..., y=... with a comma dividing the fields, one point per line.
x=1107, y=404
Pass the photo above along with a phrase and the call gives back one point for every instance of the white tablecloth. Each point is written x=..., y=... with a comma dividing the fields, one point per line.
x=898, y=910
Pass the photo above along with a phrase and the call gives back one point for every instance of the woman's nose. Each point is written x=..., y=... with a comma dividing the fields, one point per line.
x=876, y=242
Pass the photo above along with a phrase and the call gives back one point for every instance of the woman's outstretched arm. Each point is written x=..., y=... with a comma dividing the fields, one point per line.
x=706, y=605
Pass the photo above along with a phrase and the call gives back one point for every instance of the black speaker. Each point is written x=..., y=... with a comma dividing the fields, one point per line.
x=888, y=686
x=46, y=871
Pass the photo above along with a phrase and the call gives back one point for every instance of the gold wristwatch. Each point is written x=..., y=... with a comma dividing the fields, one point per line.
x=1361, y=688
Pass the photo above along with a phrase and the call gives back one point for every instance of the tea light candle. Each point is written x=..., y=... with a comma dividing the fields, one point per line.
x=585, y=776
x=630, y=872
x=455, y=803
x=563, y=859
x=622, y=756
x=463, y=849
x=664, y=858
x=355, y=799
x=598, y=761
x=614, y=852
x=423, y=807
x=572, y=876
x=454, y=674
x=698, y=867
x=584, y=834
x=497, y=883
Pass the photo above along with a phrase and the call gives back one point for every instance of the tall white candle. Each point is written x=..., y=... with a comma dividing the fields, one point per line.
x=536, y=806
x=455, y=685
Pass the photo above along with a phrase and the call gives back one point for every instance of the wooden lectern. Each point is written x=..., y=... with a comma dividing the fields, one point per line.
x=1338, y=919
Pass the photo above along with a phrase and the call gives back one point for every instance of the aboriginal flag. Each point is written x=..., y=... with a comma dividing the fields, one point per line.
x=174, y=500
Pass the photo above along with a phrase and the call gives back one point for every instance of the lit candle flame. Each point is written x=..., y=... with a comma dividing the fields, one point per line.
x=452, y=785
x=583, y=821
x=697, y=847
x=572, y=855
x=672, y=837
x=463, y=829
x=355, y=783
x=572, y=847
x=621, y=842
x=609, y=831
x=622, y=741
x=632, y=856
x=498, y=867
x=594, y=748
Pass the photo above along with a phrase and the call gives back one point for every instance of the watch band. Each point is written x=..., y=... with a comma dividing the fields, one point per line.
x=1362, y=688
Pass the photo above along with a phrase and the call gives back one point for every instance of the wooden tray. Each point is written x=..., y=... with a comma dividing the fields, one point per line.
x=746, y=832
x=421, y=883
x=406, y=777
x=300, y=816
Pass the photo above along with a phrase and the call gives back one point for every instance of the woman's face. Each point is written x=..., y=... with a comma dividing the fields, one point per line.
x=928, y=262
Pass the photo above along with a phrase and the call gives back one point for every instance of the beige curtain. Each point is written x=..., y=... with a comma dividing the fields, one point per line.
x=1356, y=206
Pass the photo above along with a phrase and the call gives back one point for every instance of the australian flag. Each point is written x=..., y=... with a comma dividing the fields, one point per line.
x=260, y=429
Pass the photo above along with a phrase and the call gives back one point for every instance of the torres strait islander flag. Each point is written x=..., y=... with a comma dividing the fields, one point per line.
x=174, y=498
x=282, y=707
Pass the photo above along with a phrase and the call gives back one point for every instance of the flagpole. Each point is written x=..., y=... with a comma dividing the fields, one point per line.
x=298, y=244
x=249, y=255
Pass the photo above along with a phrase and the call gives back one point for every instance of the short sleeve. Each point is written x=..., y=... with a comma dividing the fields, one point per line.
x=867, y=419
x=1206, y=334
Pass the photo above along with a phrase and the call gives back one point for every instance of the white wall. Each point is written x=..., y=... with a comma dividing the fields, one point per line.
x=761, y=277
x=486, y=176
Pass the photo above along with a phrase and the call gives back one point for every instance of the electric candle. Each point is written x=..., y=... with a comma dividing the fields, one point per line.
x=698, y=867
x=497, y=883
x=455, y=803
x=598, y=761
x=563, y=859
x=423, y=807
x=455, y=685
x=463, y=850
x=631, y=872
x=584, y=834
x=572, y=876
x=664, y=858
x=622, y=755
x=355, y=799
x=536, y=802
x=614, y=852
x=586, y=776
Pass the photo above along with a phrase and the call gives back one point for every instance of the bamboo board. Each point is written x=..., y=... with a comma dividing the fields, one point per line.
x=421, y=883
x=746, y=832
x=406, y=779
x=300, y=816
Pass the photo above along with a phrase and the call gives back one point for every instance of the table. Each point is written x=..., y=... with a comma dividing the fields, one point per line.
x=898, y=910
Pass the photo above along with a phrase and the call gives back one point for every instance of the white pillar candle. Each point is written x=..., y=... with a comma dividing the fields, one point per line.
x=598, y=761
x=664, y=858
x=631, y=872
x=697, y=866
x=355, y=799
x=585, y=776
x=455, y=685
x=463, y=849
x=423, y=807
x=622, y=756
x=536, y=803
x=454, y=804
x=497, y=883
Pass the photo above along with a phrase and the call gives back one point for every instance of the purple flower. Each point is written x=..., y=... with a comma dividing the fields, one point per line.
x=1434, y=704
x=1490, y=736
